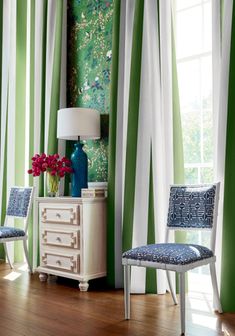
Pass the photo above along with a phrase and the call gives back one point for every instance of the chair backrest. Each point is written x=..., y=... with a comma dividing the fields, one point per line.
x=19, y=203
x=194, y=207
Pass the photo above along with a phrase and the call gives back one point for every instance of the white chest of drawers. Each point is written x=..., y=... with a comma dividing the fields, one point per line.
x=72, y=238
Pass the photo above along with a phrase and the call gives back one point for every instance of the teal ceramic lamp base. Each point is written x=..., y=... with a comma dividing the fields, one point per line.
x=80, y=170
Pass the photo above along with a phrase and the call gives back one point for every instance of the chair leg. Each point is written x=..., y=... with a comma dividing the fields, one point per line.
x=171, y=288
x=182, y=302
x=27, y=255
x=7, y=255
x=127, y=270
x=215, y=288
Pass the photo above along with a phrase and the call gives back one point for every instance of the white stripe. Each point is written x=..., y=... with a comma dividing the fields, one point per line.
x=216, y=64
x=50, y=46
x=11, y=113
x=166, y=85
x=11, y=101
x=158, y=149
x=5, y=81
x=38, y=51
x=162, y=127
x=220, y=136
x=125, y=44
x=156, y=131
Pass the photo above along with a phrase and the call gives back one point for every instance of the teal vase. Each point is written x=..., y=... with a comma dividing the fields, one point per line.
x=80, y=170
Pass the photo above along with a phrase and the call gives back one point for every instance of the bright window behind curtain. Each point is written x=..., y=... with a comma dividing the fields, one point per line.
x=193, y=27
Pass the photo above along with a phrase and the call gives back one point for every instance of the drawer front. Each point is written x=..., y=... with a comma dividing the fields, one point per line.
x=70, y=263
x=60, y=214
x=61, y=238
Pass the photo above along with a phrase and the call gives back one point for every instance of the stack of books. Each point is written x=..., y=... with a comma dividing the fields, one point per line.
x=94, y=192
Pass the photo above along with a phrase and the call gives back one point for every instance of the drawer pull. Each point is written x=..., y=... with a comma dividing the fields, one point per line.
x=58, y=215
x=58, y=262
x=58, y=239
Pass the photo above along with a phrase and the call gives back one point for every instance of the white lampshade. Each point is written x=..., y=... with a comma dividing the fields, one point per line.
x=76, y=121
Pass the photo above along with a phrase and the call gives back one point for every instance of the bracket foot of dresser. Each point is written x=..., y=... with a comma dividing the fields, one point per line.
x=83, y=286
x=43, y=277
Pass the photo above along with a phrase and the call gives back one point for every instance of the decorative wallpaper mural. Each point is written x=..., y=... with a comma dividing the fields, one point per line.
x=89, y=63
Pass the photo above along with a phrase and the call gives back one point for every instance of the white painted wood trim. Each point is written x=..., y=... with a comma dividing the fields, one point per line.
x=170, y=267
x=11, y=239
x=70, y=275
x=182, y=302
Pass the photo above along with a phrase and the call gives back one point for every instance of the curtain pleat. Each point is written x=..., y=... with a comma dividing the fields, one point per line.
x=112, y=148
x=132, y=126
x=151, y=276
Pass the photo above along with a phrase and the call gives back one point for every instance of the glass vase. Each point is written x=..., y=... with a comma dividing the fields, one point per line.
x=53, y=184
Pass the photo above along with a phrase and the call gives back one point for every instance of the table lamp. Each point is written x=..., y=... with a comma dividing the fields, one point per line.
x=77, y=123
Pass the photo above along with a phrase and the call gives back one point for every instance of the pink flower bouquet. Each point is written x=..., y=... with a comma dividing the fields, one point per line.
x=51, y=164
x=54, y=166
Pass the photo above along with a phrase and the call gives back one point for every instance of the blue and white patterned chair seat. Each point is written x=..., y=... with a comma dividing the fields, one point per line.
x=174, y=254
x=9, y=232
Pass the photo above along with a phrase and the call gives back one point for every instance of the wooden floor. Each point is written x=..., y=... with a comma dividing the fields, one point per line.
x=57, y=308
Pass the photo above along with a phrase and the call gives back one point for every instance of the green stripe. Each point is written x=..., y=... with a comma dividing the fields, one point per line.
x=55, y=90
x=112, y=147
x=228, y=246
x=132, y=130
x=151, y=278
x=21, y=26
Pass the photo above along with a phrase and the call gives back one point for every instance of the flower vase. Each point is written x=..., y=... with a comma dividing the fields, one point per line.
x=53, y=183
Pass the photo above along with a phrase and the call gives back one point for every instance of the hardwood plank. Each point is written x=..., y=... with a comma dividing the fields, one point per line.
x=29, y=307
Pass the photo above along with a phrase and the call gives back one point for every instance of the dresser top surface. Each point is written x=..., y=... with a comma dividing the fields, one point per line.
x=69, y=199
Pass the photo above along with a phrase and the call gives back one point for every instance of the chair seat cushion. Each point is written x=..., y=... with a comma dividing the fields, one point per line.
x=169, y=253
x=10, y=232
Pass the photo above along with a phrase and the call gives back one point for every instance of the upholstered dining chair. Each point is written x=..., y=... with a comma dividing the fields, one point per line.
x=19, y=205
x=191, y=207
